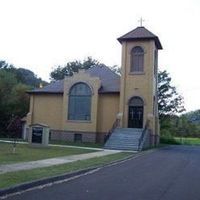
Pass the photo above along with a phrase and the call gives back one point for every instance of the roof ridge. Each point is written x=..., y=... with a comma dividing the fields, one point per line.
x=107, y=67
x=140, y=33
x=135, y=30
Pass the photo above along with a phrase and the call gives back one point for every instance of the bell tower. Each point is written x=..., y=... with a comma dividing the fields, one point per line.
x=138, y=92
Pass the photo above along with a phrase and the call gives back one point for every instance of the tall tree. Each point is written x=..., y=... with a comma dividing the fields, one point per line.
x=14, y=82
x=7, y=82
x=71, y=67
x=169, y=101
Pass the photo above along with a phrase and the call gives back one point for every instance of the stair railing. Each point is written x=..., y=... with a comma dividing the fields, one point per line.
x=143, y=136
x=114, y=126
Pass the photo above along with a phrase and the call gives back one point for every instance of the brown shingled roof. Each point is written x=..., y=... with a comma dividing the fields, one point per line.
x=110, y=82
x=140, y=33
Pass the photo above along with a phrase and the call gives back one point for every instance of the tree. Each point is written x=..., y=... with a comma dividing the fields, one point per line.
x=169, y=101
x=14, y=101
x=14, y=130
x=13, y=98
x=7, y=82
x=71, y=67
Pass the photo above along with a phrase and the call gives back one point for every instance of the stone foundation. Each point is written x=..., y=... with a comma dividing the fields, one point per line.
x=73, y=136
x=100, y=137
x=154, y=140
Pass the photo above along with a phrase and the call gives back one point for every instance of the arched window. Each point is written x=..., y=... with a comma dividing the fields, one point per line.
x=137, y=59
x=79, y=107
x=136, y=101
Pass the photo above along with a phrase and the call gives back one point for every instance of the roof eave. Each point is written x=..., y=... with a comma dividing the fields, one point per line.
x=156, y=39
x=109, y=92
x=43, y=92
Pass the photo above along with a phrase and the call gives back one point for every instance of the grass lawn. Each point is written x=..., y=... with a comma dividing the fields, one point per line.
x=81, y=144
x=179, y=140
x=188, y=141
x=14, y=178
x=24, y=152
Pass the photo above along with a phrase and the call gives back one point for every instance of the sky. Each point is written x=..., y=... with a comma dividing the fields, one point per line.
x=42, y=34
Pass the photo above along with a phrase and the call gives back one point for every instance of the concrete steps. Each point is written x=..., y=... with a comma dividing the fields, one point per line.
x=124, y=139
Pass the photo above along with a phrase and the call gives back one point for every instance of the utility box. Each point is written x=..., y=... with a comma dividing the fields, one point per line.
x=39, y=134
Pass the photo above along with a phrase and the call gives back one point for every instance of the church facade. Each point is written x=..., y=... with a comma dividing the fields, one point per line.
x=84, y=107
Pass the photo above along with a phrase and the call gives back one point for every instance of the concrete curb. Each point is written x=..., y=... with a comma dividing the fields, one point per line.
x=28, y=185
x=44, y=181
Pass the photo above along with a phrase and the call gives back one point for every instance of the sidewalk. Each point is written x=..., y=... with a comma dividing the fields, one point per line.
x=53, y=161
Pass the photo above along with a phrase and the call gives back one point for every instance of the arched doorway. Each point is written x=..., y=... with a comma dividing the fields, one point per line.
x=135, y=113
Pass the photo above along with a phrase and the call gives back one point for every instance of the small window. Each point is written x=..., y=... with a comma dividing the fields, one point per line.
x=77, y=137
x=137, y=59
x=79, y=107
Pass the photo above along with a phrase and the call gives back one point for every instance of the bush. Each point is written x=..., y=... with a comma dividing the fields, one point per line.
x=167, y=138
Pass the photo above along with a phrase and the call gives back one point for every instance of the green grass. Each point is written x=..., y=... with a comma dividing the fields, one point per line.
x=11, y=139
x=188, y=141
x=14, y=178
x=24, y=152
x=81, y=144
x=61, y=142
x=179, y=140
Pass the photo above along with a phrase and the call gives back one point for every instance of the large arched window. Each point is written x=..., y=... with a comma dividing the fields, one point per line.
x=137, y=59
x=79, y=107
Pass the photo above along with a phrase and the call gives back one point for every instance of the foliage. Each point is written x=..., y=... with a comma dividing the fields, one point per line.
x=169, y=101
x=173, y=126
x=74, y=66
x=22, y=75
x=180, y=140
x=14, y=82
x=13, y=98
x=194, y=117
x=7, y=83
x=14, y=129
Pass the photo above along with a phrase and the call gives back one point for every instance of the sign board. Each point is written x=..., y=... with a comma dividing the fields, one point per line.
x=37, y=134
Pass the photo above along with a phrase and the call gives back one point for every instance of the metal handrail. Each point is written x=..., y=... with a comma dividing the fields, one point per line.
x=144, y=132
x=114, y=126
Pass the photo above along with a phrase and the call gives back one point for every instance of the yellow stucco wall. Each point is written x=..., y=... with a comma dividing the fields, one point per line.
x=142, y=85
x=46, y=109
x=108, y=108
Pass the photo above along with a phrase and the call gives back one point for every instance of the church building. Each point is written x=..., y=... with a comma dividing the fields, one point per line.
x=98, y=105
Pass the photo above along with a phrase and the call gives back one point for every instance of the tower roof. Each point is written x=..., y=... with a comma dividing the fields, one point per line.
x=140, y=33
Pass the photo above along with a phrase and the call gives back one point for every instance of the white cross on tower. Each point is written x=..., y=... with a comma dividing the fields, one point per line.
x=140, y=21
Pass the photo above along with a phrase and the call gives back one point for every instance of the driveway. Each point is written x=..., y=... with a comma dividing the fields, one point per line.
x=171, y=173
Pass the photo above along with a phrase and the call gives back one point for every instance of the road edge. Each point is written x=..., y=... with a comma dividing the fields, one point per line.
x=40, y=182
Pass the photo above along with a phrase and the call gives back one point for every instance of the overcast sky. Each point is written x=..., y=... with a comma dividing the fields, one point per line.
x=41, y=34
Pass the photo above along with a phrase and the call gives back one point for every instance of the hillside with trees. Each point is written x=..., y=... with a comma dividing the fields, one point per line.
x=171, y=106
x=14, y=101
x=194, y=117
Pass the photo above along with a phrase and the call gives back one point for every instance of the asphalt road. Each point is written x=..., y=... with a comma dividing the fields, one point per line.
x=172, y=173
